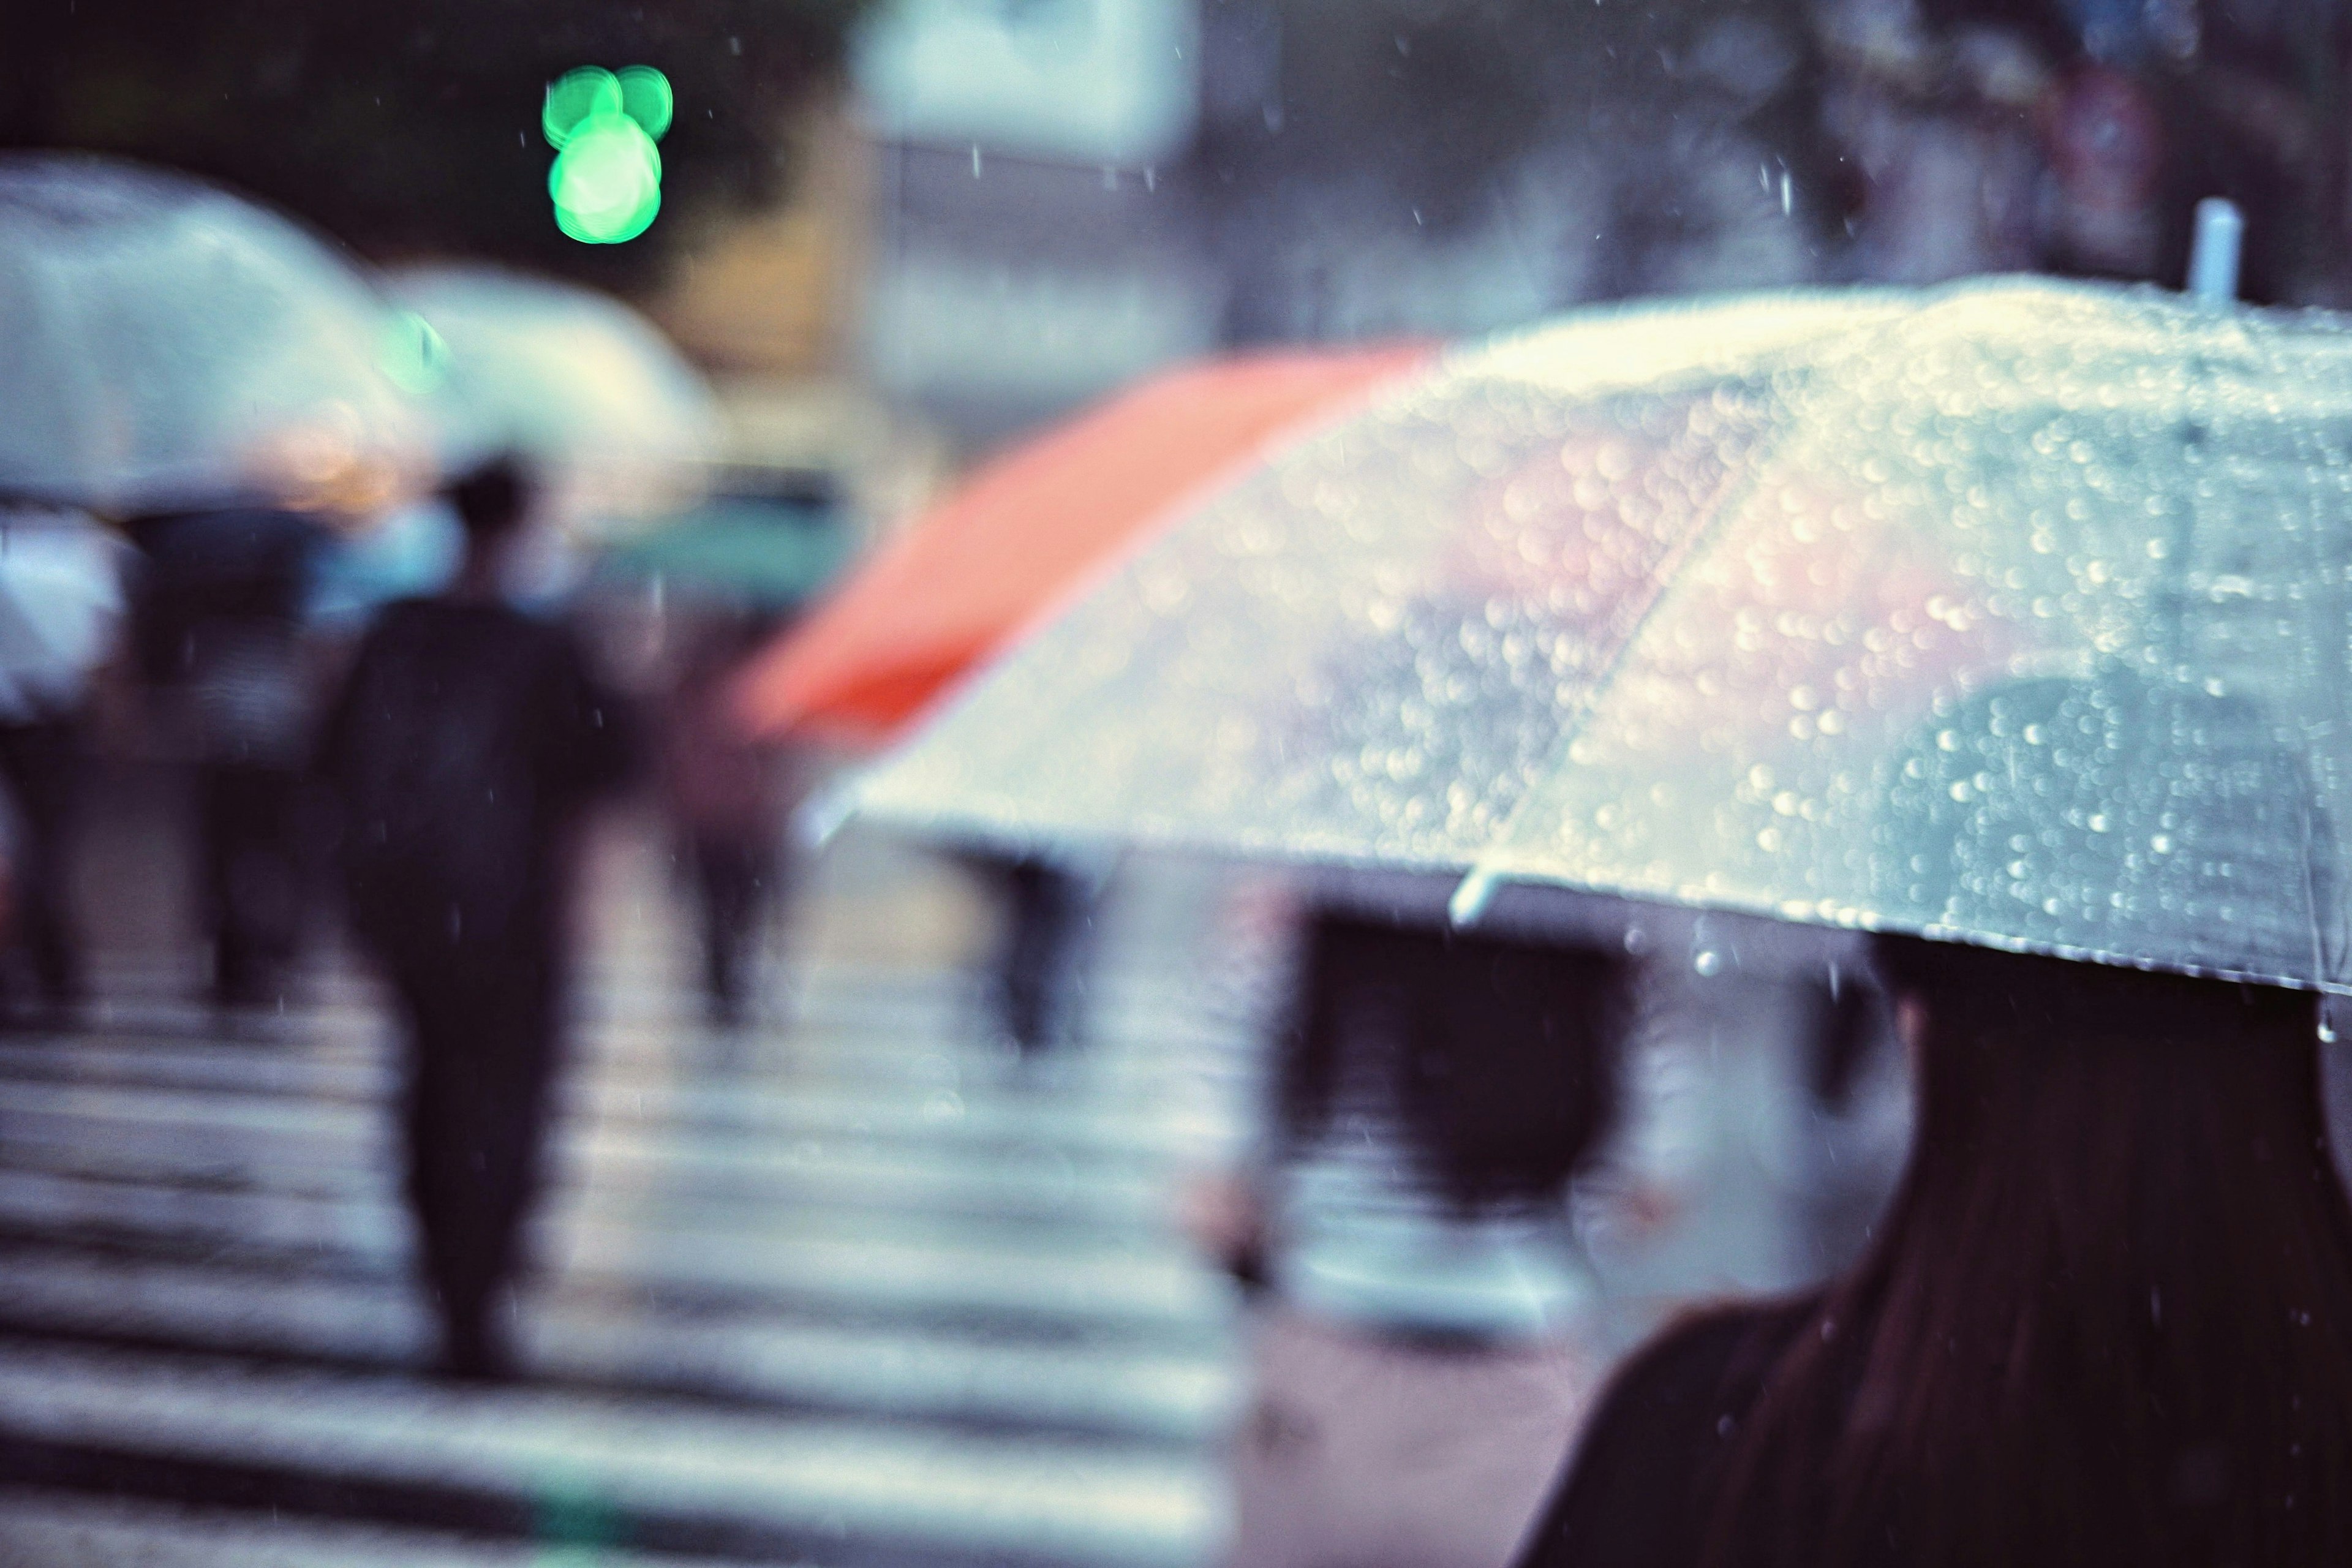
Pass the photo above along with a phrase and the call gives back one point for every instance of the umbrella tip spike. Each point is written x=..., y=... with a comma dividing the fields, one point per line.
x=1469, y=903
x=2213, y=257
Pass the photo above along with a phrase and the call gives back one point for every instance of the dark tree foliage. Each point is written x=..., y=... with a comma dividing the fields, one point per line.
x=412, y=126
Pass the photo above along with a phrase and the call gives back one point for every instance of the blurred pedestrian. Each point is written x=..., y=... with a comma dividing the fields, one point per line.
x=727, y=794
x=61, y=602
x=219, y=624
x=2109, y=1319
x=467, y=741
x=1046, y=909
x=1425, y=1338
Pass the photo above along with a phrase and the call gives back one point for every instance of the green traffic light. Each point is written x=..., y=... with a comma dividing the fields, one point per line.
x=607, y=181
x=576, y=98
x=647, y=99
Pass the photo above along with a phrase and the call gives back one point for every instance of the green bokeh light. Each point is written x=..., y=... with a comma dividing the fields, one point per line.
x=607, y=182
x=647, y=99
x=579, y=96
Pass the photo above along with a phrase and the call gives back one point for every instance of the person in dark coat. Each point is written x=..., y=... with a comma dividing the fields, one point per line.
x=727, y=794
x=468, y=739
x=2108, y=1318
x=61, y=599
x=1425, y=1336
x=1032, y=983
x=218, y=622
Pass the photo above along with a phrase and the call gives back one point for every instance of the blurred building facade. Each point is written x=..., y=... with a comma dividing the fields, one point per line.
x=1038, y=237
x=1021, y=204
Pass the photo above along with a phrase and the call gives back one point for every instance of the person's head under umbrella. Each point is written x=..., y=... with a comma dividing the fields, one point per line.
x=1428, y=1328
x=493, y=504
x=2109, y=1315
x=510, y=550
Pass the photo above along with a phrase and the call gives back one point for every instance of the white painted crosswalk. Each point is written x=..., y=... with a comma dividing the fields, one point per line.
x=1180, y=1392
x=673, y=1469
x=47, y=1529
x=855, y=1292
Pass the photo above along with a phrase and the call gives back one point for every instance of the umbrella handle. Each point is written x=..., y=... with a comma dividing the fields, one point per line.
x=2213, y=257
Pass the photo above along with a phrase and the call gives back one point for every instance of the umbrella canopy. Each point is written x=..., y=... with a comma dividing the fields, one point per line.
x=1034, y=526
x=2015, y=612
x=168, y=344
x=620, y=427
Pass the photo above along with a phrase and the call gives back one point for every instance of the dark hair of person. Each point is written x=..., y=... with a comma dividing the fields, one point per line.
x=493, y=500
x=1498, y=1057
x=2108, y=1318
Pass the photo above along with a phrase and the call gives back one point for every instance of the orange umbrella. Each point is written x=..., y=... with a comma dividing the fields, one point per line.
x=1033, y=527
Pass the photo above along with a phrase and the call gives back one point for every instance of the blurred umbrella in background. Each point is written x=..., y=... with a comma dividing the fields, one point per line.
x=623, y=429
x=1790, y=605
x=1034, y=526
x=171, y=346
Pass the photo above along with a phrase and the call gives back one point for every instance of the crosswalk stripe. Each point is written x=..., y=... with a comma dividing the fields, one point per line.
x=850, y=1287
x=340, y=1158
x=1168, y=1126
x=941, y=1118
x=1143, y=1041
x=1115, y=1004
x=1169, y=1392
x=1125, y=1037
x=864, y=1484
x=939, y=1268
x=54, y=1530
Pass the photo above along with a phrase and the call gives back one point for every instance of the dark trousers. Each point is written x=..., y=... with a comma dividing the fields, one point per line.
x=1046, y=917
x=735, y=882
x=483, y=1034
x=42, y=763
x=252, y=875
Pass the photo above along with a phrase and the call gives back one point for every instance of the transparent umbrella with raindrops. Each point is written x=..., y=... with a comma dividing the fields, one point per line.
x=170, y=345
x=622, y=430
x=2014, y=612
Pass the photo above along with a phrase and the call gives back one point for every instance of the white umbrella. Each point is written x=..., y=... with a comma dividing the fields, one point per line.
x=2014, y=613
x=622, y=428
x=168, y=344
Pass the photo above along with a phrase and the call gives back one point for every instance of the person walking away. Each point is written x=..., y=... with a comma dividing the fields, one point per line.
x=219, y=624
x=60, y=605
x=728, y=795
x=1424, y=1339
x=1031, y=987
x=2108, y=1319
x=468, y=739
